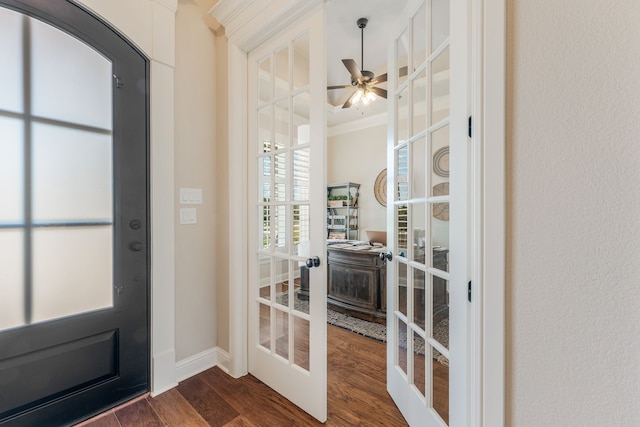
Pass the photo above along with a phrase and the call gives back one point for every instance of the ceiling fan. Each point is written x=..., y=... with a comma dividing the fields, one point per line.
x=364, y=81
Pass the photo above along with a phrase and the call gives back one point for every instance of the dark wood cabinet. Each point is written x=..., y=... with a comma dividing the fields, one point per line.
x=440, y=298
x=356, y=283
x=440, y=294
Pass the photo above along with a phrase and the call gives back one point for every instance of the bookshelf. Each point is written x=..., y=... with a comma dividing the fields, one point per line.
x=342, y=211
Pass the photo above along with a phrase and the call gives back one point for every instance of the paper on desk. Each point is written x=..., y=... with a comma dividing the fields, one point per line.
x=341, y=245
x=359, y=248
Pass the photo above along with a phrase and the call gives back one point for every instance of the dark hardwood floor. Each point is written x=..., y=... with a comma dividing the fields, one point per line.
x=356, y=395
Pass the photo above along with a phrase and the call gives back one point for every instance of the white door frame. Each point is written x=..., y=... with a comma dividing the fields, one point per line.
x=488, y=22
x=238, y=216
x=488, y=63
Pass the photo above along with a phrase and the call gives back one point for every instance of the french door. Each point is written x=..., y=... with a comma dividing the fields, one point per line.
x=74, y=323
x=287, y=290
x=427, y=214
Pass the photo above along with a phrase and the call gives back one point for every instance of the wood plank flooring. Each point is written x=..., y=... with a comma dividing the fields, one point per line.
x=356, y=395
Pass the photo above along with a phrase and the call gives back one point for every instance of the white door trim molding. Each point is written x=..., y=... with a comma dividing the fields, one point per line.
x=249, y=23
x=238, y=216
x=488, y=251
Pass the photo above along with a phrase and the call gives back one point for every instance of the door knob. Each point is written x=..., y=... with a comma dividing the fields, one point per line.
x=136, y=246
x=313, y=262
x=386, y=256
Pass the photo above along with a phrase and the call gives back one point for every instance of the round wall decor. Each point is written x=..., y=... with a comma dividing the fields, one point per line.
x=380, y=188
x=441, y=162
x=441, y=210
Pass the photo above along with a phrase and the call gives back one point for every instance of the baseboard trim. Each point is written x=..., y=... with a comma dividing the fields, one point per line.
x=224, y=361
x=163, y=372
x=200, y=362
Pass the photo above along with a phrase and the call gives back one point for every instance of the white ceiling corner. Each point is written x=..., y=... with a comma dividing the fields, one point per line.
x=248, y=23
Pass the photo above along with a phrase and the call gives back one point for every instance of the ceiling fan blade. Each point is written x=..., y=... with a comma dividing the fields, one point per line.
x=383, y=77
x=350, y=100
x=339, y=87
x=382, y=93
x=351, y=65
x=380, y=79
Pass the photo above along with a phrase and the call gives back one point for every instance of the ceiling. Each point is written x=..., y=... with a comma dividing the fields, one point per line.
x=343, y=42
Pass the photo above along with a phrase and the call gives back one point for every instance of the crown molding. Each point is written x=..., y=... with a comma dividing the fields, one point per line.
x=172, y=5
x=248, y=23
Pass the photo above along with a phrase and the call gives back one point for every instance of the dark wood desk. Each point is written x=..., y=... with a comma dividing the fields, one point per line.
x=356, y=283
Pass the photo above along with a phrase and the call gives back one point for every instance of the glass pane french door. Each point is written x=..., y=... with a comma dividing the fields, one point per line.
x=422, y=230
x=56, y=230
x=287, y=307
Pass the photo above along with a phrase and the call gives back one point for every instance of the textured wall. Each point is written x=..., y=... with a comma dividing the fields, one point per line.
x=573, y=317
x=195, y=166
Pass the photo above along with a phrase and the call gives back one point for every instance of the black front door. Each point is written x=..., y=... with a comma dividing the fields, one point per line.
x=74, y=260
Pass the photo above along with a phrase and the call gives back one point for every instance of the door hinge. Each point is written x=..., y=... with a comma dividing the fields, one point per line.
x=469, y=291
x=470, y=126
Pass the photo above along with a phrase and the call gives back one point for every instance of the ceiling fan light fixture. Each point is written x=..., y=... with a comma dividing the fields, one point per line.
x=357, y=97
x=363, y=81
x=368, y=97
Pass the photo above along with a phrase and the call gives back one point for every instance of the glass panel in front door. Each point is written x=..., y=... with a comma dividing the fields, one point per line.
x=421, y=200
x=56, y=162
x=283, y=209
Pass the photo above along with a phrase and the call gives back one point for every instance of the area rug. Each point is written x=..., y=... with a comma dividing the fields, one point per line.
x=378, y=332
x=375, y=330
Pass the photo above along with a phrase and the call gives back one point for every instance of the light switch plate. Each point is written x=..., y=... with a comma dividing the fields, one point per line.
x=188, y=216
x=190, y=196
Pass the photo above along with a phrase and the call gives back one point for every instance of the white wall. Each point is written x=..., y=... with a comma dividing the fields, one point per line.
x=359, y=157
x=196, y=263
x=573, y=169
